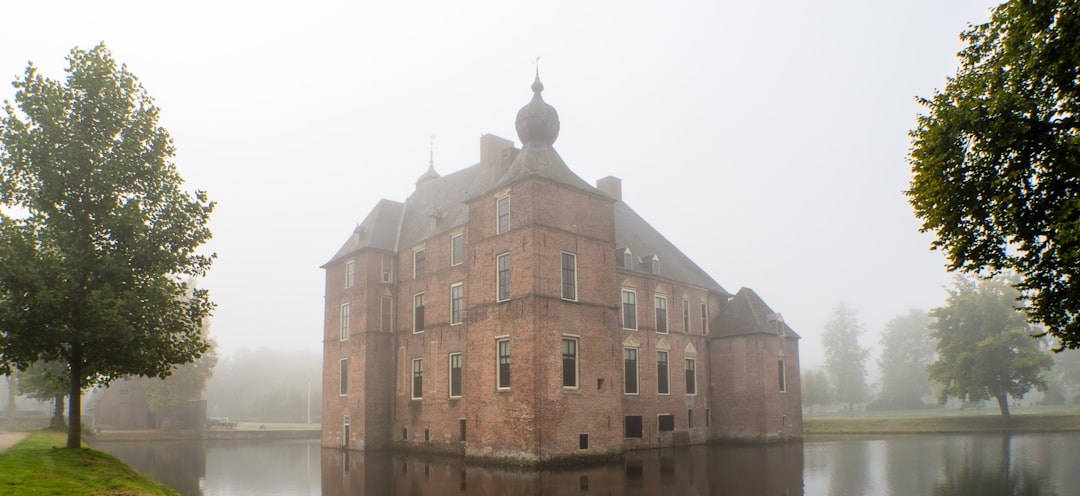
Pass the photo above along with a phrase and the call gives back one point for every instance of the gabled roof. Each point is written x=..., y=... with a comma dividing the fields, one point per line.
x=747, y=313
x=631, y=231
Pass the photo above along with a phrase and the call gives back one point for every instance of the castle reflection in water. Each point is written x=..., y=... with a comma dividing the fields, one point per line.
x=739, y=469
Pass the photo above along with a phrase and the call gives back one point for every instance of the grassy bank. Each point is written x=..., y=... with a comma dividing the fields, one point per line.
x=943, y=424
x=34, y=466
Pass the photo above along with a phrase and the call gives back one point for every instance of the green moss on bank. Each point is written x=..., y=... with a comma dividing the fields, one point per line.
x=34, y=466
x=954, y=424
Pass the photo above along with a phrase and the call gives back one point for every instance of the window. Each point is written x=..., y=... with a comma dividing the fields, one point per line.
x=662, y=386
x=783, y=378
x=661, y=314
x=708, y=417
x=624, y=258
x=386, y=314
x=419, y=259
x=503, y=346
x=633, y=426
x=665, y=422
x=387, y=270
x=457, y=298
x=457, y=249
x=629, y=309
x=630, y=375
x=569, y=276
x=344, y=321
x=503, y=212
x=654, y=264
x=583, y=444
x=417, y=378
x=418, y=312
x=686, y=316
x=455, y=376
x=691, y=376
x=343, y=376
x=704, y=318
x=690, y=418
x=350, y=273
x=503, y=262
x=570, y=363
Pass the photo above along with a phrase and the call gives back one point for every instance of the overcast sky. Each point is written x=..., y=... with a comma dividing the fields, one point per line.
x=768, y=140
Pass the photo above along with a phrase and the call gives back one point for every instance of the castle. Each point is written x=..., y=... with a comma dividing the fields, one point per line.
x=512, y=311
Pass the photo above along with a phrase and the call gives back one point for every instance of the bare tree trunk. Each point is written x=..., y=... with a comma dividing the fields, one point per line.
x=57, y=422
x=11, y=402
x=1003, y=404
x=74, y=439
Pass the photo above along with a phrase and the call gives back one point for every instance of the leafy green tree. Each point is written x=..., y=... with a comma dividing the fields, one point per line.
x=101, y=238
x=984, y=346
x=845, y=358
x=46, y=381
x=1064, y=377
x=995, y=159
x=906, y=350
x=815, y=388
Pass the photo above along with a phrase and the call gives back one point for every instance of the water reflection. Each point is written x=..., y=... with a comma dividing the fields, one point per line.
x=991, y=464
x=736, y=470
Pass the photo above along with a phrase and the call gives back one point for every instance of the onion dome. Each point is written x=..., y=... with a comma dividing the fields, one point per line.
x=537, y=122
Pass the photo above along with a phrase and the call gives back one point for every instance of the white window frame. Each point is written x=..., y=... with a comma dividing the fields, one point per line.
x=419, y=263
x=412, y=378
x=577, y=360
x=705, y=318
x=657, y=299
x=500, y=213
x=622, y=308
x=637, y=371
x=450, y=375
x=350, y=273
x=344, y=324
x=688, y=361
x=667, y=371
x=686, y=315
x=499, y=296
x=343, y=377
x=562, y=278
x=423, y=304
x=457, y=304
x=454, y=249
x=498, y=364
x=781, y=368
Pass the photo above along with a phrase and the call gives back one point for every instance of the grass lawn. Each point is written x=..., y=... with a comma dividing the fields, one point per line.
x=924, y=423
x=278, y=426
x=34, y=466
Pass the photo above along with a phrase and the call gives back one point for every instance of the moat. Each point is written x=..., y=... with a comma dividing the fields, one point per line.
x=988, y=464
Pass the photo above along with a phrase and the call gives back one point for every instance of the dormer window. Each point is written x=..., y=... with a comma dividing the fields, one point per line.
x=624, y=258
x=654, y=264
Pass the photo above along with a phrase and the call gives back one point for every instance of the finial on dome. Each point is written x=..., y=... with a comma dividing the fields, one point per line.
x=537, y=86
x=430, y=174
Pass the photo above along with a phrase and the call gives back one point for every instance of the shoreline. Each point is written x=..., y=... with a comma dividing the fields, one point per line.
x=967, y=424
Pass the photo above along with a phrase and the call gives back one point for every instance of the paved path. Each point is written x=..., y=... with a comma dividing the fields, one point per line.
x=7, y=439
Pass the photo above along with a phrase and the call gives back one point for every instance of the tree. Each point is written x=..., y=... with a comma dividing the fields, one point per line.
x=46, y=381
x=845, y=359
x=995, y=159
x=984, y=345
x=815, y=388
x=186, y=383
x=906, y=350
x=100, y=238
x=1064, y=377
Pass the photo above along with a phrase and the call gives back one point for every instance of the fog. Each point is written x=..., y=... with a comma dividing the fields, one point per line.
x=766, y=139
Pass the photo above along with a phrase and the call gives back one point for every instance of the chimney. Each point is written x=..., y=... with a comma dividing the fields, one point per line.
x=611, y=186
x=492, y=150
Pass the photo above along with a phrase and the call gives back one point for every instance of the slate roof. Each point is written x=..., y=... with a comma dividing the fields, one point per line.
x=378, y=230
x=747, y=313
x=631, y=231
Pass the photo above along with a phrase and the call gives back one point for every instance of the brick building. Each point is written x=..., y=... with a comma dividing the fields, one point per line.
x=511, y=310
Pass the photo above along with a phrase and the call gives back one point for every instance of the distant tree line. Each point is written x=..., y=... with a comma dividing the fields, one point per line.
x=267, y=386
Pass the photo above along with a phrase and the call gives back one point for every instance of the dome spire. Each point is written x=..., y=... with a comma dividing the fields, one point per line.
x=537, y=122
x=430, y=174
